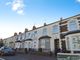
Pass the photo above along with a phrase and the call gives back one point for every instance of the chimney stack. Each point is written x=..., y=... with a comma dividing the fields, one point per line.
x=26, y=30
x=15, y=34
x=19, y=32
x=45, y=24
x=34, y=27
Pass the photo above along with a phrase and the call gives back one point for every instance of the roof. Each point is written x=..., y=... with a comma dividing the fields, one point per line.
x=56, y=22
x=51, y=23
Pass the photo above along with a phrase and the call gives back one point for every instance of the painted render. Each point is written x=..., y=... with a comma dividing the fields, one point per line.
x=46, y=35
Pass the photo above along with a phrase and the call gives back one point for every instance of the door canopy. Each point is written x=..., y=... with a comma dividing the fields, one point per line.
x=28, y=40
x=72, y=32
x=43, y=37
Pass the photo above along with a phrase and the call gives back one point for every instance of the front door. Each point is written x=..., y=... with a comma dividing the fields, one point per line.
x=56, y=46
x=63, y=46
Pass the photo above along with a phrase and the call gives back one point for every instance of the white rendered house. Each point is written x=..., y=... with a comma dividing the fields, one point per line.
x=63, y=34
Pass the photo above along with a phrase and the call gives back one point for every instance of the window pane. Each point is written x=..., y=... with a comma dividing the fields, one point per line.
x=76, y=42
x=72, y=25
x=55, y=29
x=68, y=44
x=45, y=31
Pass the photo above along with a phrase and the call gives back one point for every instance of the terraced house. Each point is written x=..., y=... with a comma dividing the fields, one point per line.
x=62, y=35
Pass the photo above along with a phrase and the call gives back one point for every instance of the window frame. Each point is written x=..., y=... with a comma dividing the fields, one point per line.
x=57, y=29
x=71, y=25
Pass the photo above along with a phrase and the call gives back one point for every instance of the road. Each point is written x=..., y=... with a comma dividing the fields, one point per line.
x=27, y=57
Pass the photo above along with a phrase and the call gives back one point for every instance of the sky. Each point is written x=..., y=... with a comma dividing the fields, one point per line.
x=16, y=15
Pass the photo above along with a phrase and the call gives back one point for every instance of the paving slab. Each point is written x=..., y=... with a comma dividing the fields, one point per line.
x=28, y=57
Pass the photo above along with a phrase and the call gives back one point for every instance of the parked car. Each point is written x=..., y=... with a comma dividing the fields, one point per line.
x=7, y=51
x=2, y=48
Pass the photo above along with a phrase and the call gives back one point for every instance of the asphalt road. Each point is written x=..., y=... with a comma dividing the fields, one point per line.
x=27, y=57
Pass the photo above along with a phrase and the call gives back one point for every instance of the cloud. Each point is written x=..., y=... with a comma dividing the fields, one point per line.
x=78, y=1
x=21, y=12
x=8, y=3
x=17, y=6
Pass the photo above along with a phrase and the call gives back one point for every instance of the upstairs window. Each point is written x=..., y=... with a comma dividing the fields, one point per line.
x=28, y=35
x=16, y=37
x=35, y=32
x=23, y=36
x=45, y=31
x=55, y=29
x=32, y=35
x=72, y=25
x=19, y=37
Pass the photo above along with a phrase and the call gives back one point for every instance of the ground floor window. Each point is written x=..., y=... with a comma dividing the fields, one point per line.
x=76, y=42
x=68, y=43
x=44, y=44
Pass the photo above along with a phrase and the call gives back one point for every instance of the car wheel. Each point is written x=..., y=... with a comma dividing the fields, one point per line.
x=2, y=54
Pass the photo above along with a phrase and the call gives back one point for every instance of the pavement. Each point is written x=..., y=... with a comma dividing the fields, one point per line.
x=28, y=57
x=2, y=59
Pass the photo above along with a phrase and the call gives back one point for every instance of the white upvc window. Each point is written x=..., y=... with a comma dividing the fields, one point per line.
x=44, y=31
x=16, y=37
x=76, y=42
x=72, y=25
x=55, y=29
x=23, y=36
x=42, y=43
x=19, y=37
x=35, y=32
x=28, y=35
x=68, y=43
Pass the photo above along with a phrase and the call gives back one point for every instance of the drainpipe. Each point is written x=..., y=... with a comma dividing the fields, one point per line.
x=60, y=34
